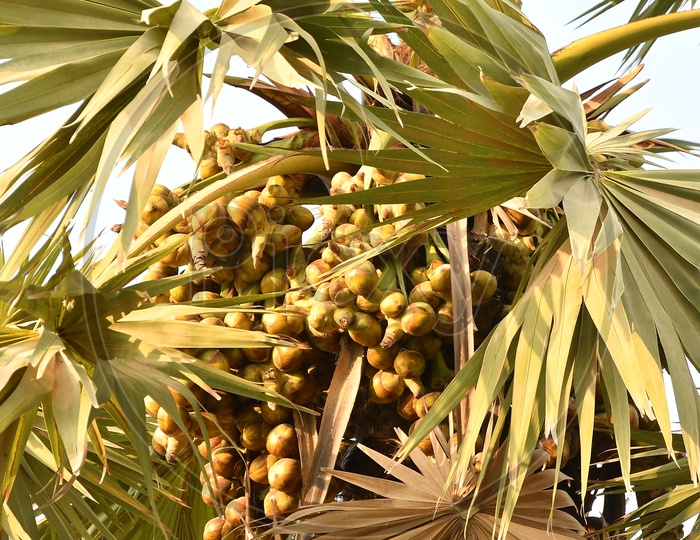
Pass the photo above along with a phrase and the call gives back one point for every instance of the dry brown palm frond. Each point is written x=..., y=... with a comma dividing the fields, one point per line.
x=426, y=504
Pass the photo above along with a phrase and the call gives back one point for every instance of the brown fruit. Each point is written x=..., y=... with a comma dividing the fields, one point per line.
x=424, y=293
x=370, y=303
x=306, y=393
x=236, y=511
x=151, y=406
x=382, y=357
x=259, y=468
x=217, y=491
x=254, y=436
x=275, y=414
x=159, y=441
x=212, y=529
x=548, y=445
x=239, y=320
x=282, y=441
x=428, y=345
x=425, y=403
x=285, y=475
x=340, y=293
x=168, y=425
x=321, y=317
x=405, y=406
x=214, y=443
x=226, y=462
x=286, y=321
x=315, y=271
x=258, y=355
x=386, y=387
x=298, y=216
x=274, y=281
x=279, y=502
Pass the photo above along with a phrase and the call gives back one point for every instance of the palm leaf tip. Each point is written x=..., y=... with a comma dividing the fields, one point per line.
x=415, y=503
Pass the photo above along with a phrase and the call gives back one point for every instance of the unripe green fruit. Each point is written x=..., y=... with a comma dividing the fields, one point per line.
x=362, y=279
x=393, y=303
x=370, y=303
x=409, y=364
x=484, y=285
x=287, y=358
x=321, y=317
x=365, y=330
x=418, y=319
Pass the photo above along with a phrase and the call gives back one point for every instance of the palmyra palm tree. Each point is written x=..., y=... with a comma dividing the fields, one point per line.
x=465, y=97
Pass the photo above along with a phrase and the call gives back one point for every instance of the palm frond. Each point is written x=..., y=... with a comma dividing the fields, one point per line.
x=424, y=502
x=644, y=9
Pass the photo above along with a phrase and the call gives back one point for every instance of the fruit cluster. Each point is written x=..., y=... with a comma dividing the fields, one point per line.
x=397, y=305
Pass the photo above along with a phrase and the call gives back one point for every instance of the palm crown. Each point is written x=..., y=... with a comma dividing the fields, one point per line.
x=464, y=147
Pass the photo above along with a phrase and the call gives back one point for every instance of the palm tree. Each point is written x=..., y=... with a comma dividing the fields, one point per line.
x=469, y=106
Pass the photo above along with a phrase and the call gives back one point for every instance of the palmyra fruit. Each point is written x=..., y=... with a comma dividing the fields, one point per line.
x=254, y=435
x=236, y=511
x=279, y=502
x=282, y=441
x=484, y=285
x=362, y=279
x=418, y=319
x=259, y=468
x=168, y=425
x=155, y=208
x=381, y=357
x=299, y=216
x=285, y=475
x=275, y=414
x=212, y=529
x=440, y=279
x=287, y=358
x=365, y=330
x=393, y=303
x=218, y=491
x=386, y=387
x=409, y=364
